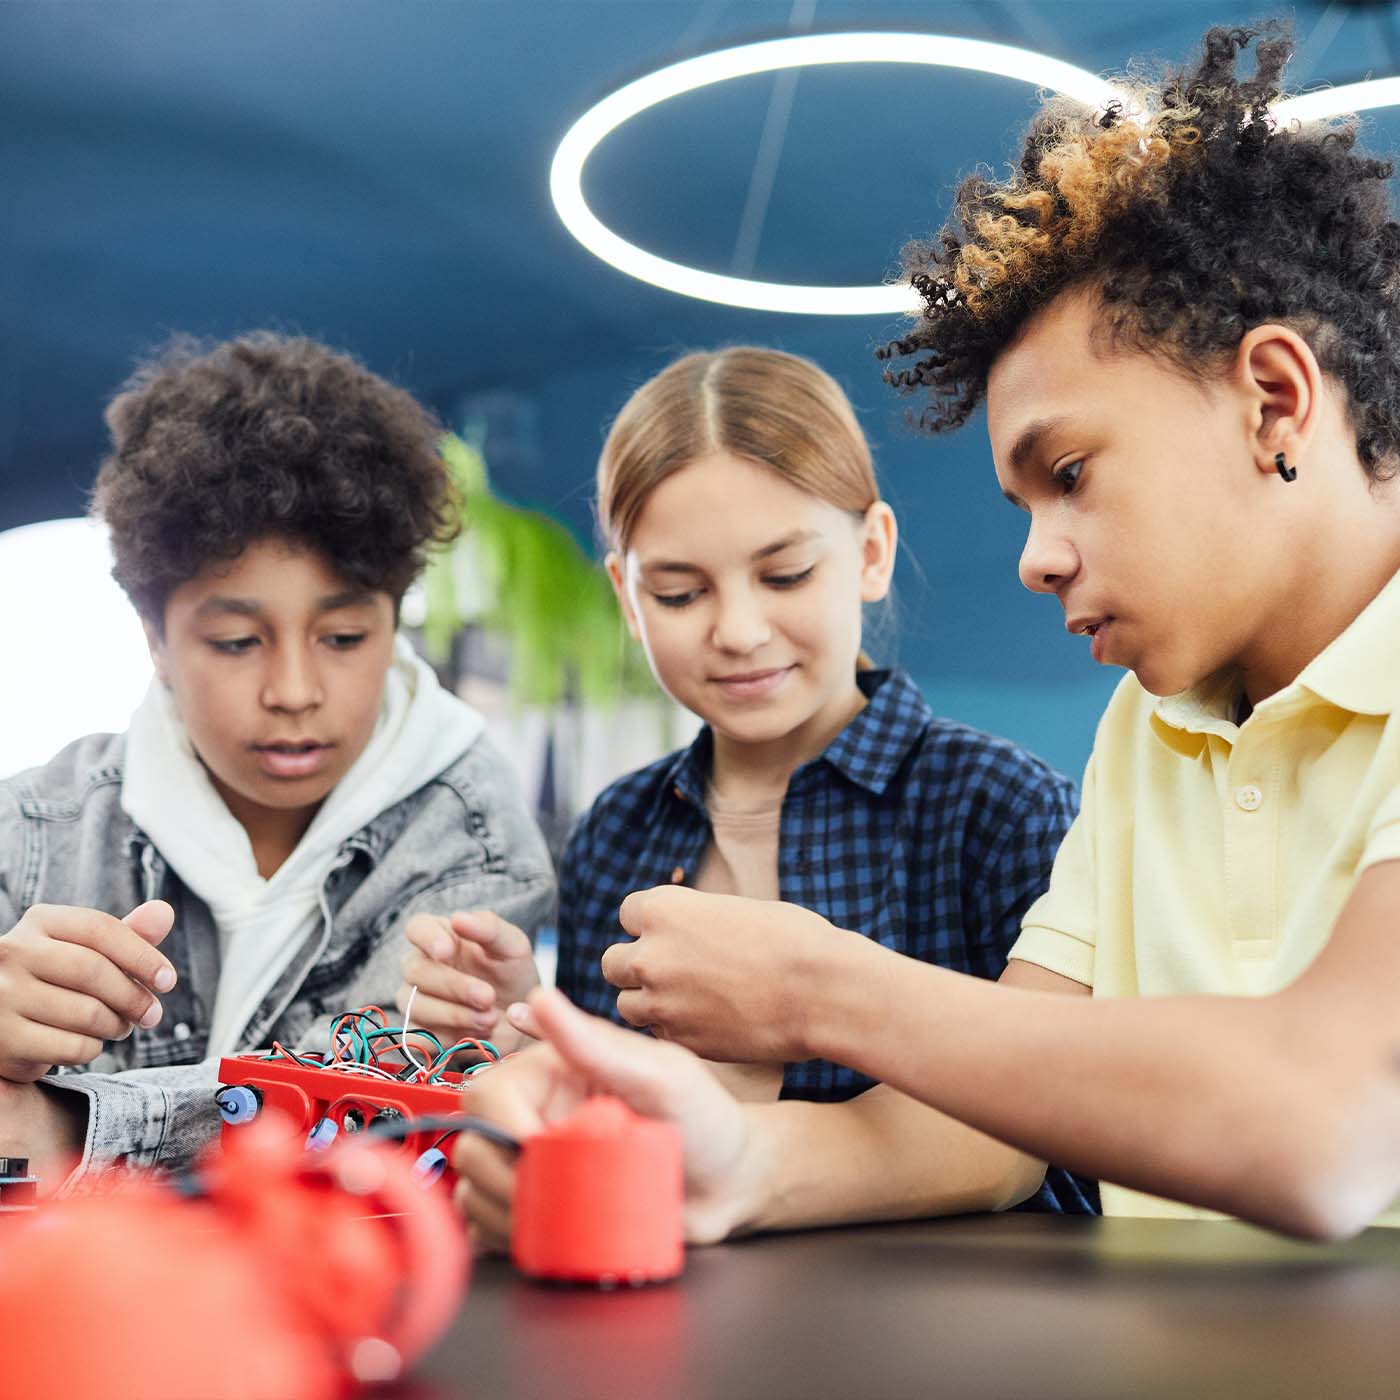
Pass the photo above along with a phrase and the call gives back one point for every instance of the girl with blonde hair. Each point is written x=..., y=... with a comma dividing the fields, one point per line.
x=746, y=534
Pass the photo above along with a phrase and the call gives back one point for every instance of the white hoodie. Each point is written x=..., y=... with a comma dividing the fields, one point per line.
x=422, y=729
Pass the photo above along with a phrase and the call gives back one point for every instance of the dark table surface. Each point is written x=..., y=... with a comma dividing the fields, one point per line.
x=999, y=1306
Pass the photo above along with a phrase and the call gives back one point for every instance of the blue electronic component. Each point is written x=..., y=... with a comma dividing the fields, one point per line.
x=239, y=1103
x=322, y=1135
x=430, y=1164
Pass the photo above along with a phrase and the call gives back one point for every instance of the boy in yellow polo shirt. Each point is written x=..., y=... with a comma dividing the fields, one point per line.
x=1184, y=319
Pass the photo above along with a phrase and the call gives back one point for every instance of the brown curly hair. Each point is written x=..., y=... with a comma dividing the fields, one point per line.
x=1193, y=215
x=268, y=436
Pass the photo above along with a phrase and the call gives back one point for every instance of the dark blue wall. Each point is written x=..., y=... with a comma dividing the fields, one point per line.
x=375, y=174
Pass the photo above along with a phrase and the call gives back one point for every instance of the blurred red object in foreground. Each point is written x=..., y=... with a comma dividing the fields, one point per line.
x=289, y=1276
x=599, y=1198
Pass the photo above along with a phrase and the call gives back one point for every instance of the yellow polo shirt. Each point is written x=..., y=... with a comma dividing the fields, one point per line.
x=1210, y=857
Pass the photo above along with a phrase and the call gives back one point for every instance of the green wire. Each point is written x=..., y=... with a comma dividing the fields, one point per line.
x=350, y=1026
x=470, y=1044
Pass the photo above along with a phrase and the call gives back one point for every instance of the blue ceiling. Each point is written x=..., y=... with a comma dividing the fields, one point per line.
x=374, y=173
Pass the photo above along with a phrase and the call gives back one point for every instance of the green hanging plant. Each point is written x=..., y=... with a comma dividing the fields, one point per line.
x=522, y=575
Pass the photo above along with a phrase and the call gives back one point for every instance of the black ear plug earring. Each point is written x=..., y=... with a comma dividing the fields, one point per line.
x=1283, y=469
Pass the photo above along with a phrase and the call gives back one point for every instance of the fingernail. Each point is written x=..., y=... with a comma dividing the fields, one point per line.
x=165, y=980
x=442, y=949
x=517, y=1013
x=153, y=1014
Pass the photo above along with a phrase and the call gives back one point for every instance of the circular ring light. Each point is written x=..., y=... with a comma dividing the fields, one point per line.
x=1338, y=101
x=804, y=51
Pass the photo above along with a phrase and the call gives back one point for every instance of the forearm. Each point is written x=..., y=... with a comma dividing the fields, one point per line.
x=1226, y=1102
x=140, y=1118
x=749, y=1083
x=881, y=1156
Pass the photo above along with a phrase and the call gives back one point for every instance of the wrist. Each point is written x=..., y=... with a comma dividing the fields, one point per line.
x=749, y=1185
x=835, y=992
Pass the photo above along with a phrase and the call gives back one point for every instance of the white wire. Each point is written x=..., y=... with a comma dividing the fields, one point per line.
x=403, y=1033
x=350, y=1067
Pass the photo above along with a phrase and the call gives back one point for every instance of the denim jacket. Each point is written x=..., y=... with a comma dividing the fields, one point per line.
x=464, y=840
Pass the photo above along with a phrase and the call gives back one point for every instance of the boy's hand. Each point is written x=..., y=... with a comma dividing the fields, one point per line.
x=584, y=1055
x=71, y=979
x=468, y=968
x=730, y=978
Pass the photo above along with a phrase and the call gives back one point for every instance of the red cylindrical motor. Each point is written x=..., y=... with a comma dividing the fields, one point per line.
x=599, y=1198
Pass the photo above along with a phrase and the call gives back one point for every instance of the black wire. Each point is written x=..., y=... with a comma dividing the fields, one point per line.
x=300, y=1058
x=445, y=1123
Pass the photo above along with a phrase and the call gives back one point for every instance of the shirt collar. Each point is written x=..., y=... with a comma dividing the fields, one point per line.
x=1207, y=708
x=1359, y=671
x=689, y=772
x=869, y=750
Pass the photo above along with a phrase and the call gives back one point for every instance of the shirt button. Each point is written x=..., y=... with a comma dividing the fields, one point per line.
x=1248, y=798
x=678, y=875
x=180, y=1030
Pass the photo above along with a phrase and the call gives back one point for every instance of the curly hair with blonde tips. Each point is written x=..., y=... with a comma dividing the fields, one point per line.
x=1193, y=215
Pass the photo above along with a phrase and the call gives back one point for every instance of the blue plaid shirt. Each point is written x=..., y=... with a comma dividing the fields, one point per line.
x=925, y=835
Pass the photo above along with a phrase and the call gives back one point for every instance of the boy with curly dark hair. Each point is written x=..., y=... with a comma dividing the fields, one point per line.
x=1183, y=316
x=296, y=789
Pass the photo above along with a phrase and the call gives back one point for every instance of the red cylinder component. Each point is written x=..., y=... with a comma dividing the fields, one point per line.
x=293, y=1276
x=598, y=1199
x=170, y=1308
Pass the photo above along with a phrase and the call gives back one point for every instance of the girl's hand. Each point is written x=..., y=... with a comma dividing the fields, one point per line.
x=71, y=979
x=468, y=968
x=584, y=1055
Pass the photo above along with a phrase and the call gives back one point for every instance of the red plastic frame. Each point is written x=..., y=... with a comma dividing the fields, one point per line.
x=306, y=1095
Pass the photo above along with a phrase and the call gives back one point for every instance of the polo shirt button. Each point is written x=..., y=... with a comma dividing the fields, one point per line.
x=180, y=1031
x=678, y=875
x=1248, y=798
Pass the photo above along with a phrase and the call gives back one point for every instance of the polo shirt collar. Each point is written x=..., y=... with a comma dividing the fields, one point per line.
x=1207, y=708
x=1359, y=671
